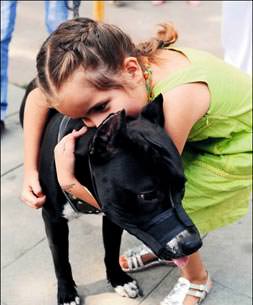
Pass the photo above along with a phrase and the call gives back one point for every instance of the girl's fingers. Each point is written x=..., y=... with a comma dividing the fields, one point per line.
x=80, y=132
x=74, y=134
x=67, y=143
x=33, y=201
x=40, y=201
x=36, y=188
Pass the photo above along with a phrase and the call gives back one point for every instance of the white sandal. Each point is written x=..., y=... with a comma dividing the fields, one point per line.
x=183, y=288
x=135, y=262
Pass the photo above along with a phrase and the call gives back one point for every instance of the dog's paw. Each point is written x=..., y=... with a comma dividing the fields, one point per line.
x=67, y=295
x=124, y=285
x=130, y=290
x=76, y=302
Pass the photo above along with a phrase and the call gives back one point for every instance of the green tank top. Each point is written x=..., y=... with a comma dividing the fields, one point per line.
x=217, y=157
x=227, y=126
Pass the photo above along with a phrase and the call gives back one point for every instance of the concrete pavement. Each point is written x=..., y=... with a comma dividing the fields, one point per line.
x=27, y=271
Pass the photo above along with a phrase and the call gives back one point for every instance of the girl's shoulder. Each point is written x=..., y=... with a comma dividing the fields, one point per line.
x=169, y=61
x=175, y=72
x=175, y=65
x=183, y=106
x=192, y=99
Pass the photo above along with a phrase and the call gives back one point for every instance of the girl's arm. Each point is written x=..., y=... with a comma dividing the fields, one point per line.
x=35, y=115
x=183, y=107
x=64, y=162
x=75, y=188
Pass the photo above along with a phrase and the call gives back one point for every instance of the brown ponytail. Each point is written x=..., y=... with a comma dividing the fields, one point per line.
x=165, y=36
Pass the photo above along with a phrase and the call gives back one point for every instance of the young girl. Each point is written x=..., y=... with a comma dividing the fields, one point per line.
x=88, y=70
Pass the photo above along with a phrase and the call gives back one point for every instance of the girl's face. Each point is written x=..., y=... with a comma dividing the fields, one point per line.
x=79, y=100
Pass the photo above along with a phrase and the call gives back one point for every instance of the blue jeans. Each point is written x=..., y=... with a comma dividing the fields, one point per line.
x=55, y=13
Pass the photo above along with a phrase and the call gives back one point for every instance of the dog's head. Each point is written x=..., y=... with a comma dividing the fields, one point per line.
x=139, y=182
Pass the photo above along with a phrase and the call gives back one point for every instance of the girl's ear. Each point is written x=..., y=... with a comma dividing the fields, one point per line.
x=154, y=111
x=132, y=67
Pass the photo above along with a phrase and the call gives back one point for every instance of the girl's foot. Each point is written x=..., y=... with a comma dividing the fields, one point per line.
x=140, y=258
x=188, y=293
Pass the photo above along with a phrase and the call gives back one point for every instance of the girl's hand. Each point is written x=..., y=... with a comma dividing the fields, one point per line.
x=32, y=194
x=65, y=158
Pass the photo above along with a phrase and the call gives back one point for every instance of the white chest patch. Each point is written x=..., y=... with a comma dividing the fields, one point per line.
x=68, y=212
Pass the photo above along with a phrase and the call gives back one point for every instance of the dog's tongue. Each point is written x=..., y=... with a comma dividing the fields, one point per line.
x=181, y=262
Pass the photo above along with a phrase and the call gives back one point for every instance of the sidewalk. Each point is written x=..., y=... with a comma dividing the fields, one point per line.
x=26, y=264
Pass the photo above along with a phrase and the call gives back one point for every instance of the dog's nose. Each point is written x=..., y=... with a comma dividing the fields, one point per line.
x=185, y=243
x=191, y=245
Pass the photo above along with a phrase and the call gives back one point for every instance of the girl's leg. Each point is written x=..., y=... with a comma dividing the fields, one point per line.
x=196, y=273
x=193, y=285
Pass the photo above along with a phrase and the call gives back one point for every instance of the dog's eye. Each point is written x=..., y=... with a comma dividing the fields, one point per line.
x=151, y=195
x=155, y=194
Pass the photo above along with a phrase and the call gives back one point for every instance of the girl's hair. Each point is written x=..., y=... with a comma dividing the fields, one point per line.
x=99, y=48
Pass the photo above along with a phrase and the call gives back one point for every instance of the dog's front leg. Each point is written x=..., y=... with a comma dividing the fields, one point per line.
x=122, y=283
x=57, y=235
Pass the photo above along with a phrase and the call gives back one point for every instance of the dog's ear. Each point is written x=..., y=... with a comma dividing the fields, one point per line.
x=108, y=135
x=82, y=143
x=112, y=125
x=154, y=111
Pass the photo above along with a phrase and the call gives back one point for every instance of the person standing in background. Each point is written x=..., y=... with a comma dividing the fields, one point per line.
x=237, y=34
x=55, y=13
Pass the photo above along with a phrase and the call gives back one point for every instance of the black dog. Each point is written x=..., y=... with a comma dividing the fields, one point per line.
x=134, y=171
